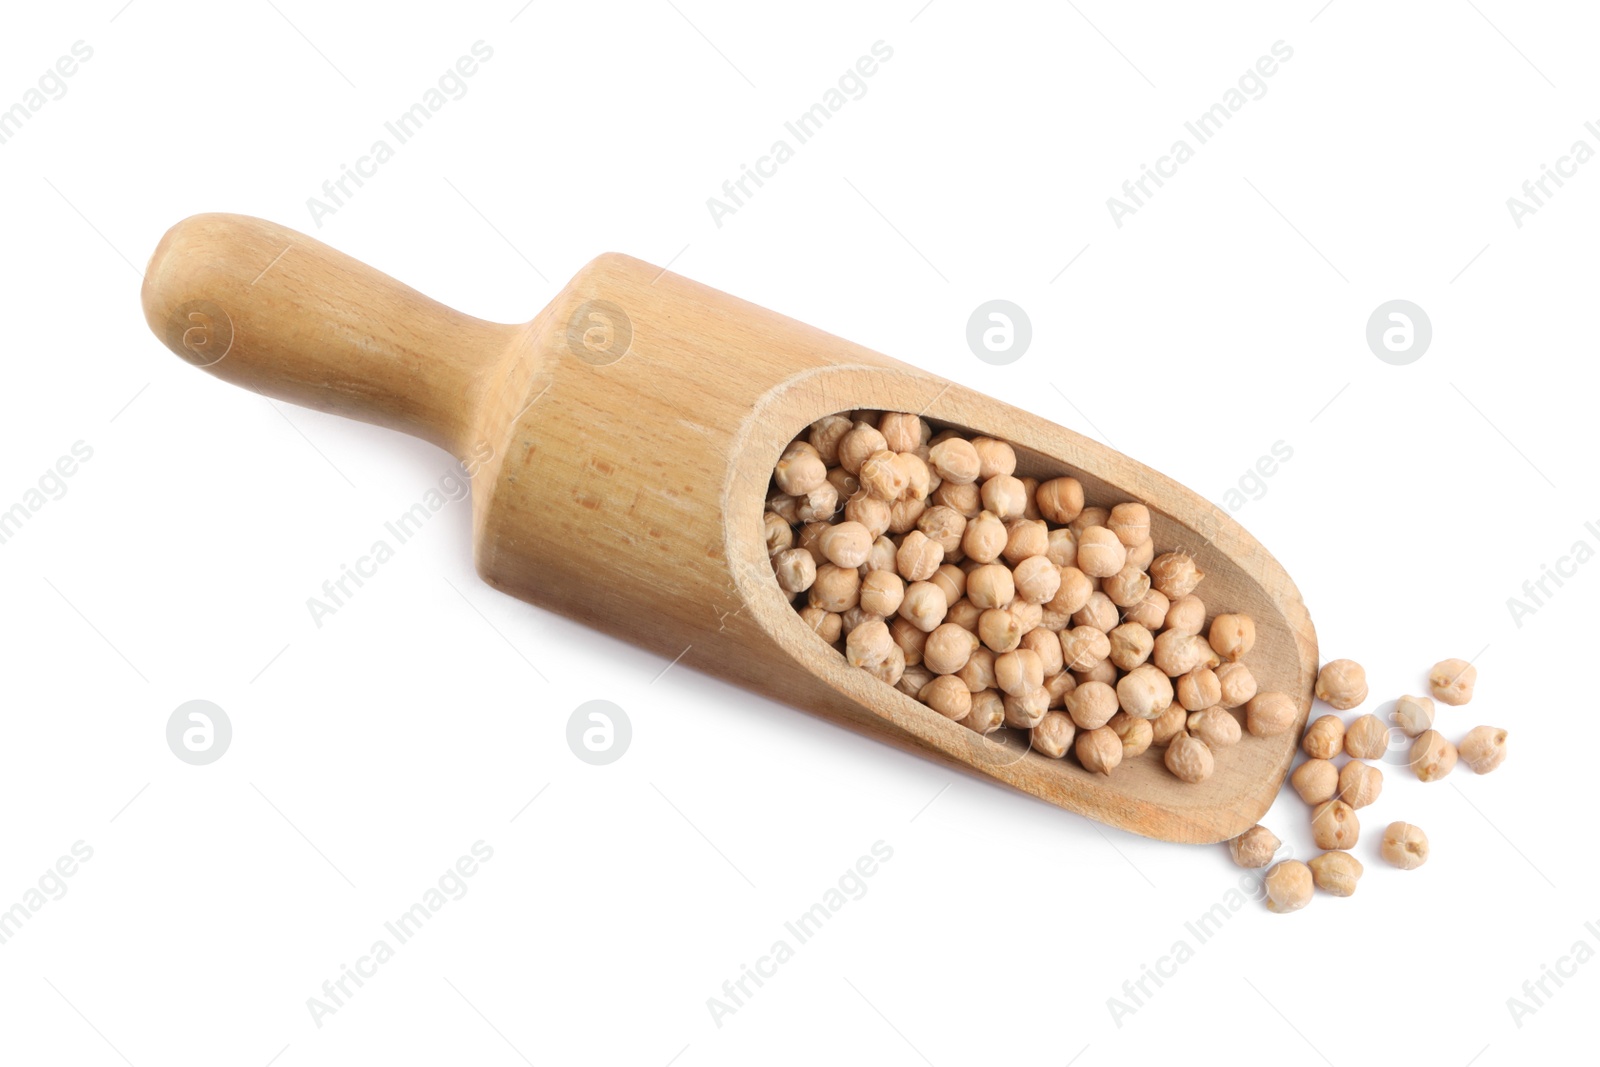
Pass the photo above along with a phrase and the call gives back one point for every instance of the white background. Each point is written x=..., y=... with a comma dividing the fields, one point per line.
x=1226, y=315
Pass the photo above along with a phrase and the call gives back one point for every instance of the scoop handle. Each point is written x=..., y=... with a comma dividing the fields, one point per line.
x=281, y=313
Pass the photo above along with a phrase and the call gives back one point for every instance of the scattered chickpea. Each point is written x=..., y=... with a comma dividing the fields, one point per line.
x=924, y=606
x=1100, y=553
x=1151, y=612
x=1189, y=758
x=1091, y=704
x=1185, y=614
x=1342, y=683
x=859, y=445
x=1336, y=872
x=1288, y=887
x=795, y=569
x=1099, y=750
x=1023, y=712
x=1199, y=689
x=1127, y=587
x=988, y=712
x=1483, y=749
x=1137, y=734
x=1060, y=500
x=825, y=624
x=985, y=537
x=1316, y=780
x=1255, y=847
x=1084, y=646
x=869, y=644
x=1413, y=715
x=948, y=696
x=1168, y=724
x=1179, y=653
x=1334, y=825
x=1359, y=783
x=1232, y=636
x=955, y=460
x=1215, y=727
x=1047, y=646
x=947, y=649
x=1238, y=684
x=1404, y=846
x=1324, y=737
x=1130, y=645
x=1270, y=714
x=1131, y=523
x=846, y=544
x=1451, y=681
x=1432, y=757
x=1175, y=574
x=1097, y=612
x=1053, y=736
x=1144, y=692
x=1366, y=738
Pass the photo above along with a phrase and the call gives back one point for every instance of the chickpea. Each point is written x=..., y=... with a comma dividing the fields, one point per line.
x=918, y=557
x=1342, y=683
x=1053, y=736
x=1024, y=712
x=1104, y=671
x=948, y=648
x=1058, y=685
x=800, y=473
x=1136, y=734
x=984, y=538
x=1169, y=724
x=795, y=570
x=869, y=512
x=1189, y=758
x=1179, y=653
x=1366, y=738
x=911, y=640
x=1127, y=587
x=965, y=614
x=890, y=669
x=1142, y=555
x=1005, y=496
x=1074, y=592
x=1199, y=689
x=964, y=500
x=1451, y=681
x=951, y=580
x=1100, y=554
x=1018, y=672
x=1255, y=847
x=1175, y=574
x=1084, y=646
x=1131, y=523
x=978, y=672
x=1091, y=516
x=882, y=557
x=1238, y=684
x=994, y=457
x=844, y=483
x=882, y=593
x=1062, y=547
x=868, y=644
x=856, y=616
x=1030, y=509
x=1144, y=692
x=1130, y=645
x=1404, y=846
x=924, y=606
x=825, y=435
x=1432, y=757
x=1047, y=646
x=1027, y=615
x=819, y=504
x=1098, y=612
x=1215, y=727
x=1413, y=715
x=913, y=679
x=1360, y=784
x=944, y=525
x=1091, y=704
x=1336, y=873
x=1186, y=614
x=860, y=444
x=1151, y=612
x=1025, y=539
x=1099, y=750
x=846, y=544
x=1484, y=748
x=1060, y=500
x=1270, y=714
x=903, y=432
x=1000, y=629
x=883, y=476
x=825, y=624
x=948, y=696
x=1334, y=825
x=904, y=514
x=991, y=586
x=784, y=506
x=1324, y=738
x=988, y=712
x=1036, y=579
x=955, y=460
x=1316, y=780
x=778, y=533
x=1232, y=636
x=1288, y=887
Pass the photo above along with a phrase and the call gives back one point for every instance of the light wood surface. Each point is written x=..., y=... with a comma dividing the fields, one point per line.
x=625, y=488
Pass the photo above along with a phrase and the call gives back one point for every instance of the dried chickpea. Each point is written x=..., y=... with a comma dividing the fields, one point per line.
x=1404, y=846
x=1185, y=614
x=1104, y=671
x=964, y=613
x=1179, y=653
x=891, y=669
x=1232, y=636
x=1025, y=711
x=1018, y=672
x=1142, y=555
x=1413, y=715
x=825, y=624
x=1130, y=645
x=1360, y=783
x=1127, y=587
x=825, y=435
x=1336, y=872
x=801, y=472
x=1026, y=538
x=1136, y=734
x=1451, y=681
x=944, y=525
x=1334, y=825
x=1026, y=614
x=856, y=616
x=1030, y=509
x=924, y=606
x=991, y=586
x=1366, y=738
x=860, y=444
x=810, y=538
x=785, y=507
x=1432, y=757
x=1047, y=646
x=1288, y=887
x=881, y=558
x=984, y=538
x=1058, y=685
x=1099, y=750
x=1189, y=758
x=1199, y=689
x=1060, y=500
x=844, y=483
x=1091, y=516
x=819, y=504
x=905, y=513
x=1100, y=554
x=994, y=457
x=846, y=544
x=870, y=512
x=1036, y=579
x=955, y=460
x=948, y=696
x=883, y=476
x=1237, y=683
x=1175, y=574
x=882, y=593
x=1316, y=780
x=1084, y=646
x=1483, y=749
x=795, y=569
x=1000, y=629
x=1074, y=592
x=1151, y=612
x=1144, y=692
x=1270, y=714
x=910, y=638
x=912, y=681
x=1342, y=683
x=778, y=533
x=835, y=588
x=903, y=432
x=868, y=644
x=1324, y=738
x=1098, y=612
x=978, y=672
x=988, y=712
x=1131, y=523
x=952, y=580
x=1255, y=847
x=1005, y=496
x=1215, y=727
x=1091, y=704
x=1169, y=724
x=1053, y=736
x=964, y=500
x=948, y=648
x=1062, y=547
x=918, y=557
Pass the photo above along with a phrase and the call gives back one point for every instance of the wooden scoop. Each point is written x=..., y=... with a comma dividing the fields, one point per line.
x=620, y=447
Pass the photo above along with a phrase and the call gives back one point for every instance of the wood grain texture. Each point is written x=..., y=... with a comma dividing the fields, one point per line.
x=621, y=445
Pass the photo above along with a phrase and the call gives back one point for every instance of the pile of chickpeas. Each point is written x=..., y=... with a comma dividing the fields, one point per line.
x=1003, y=601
